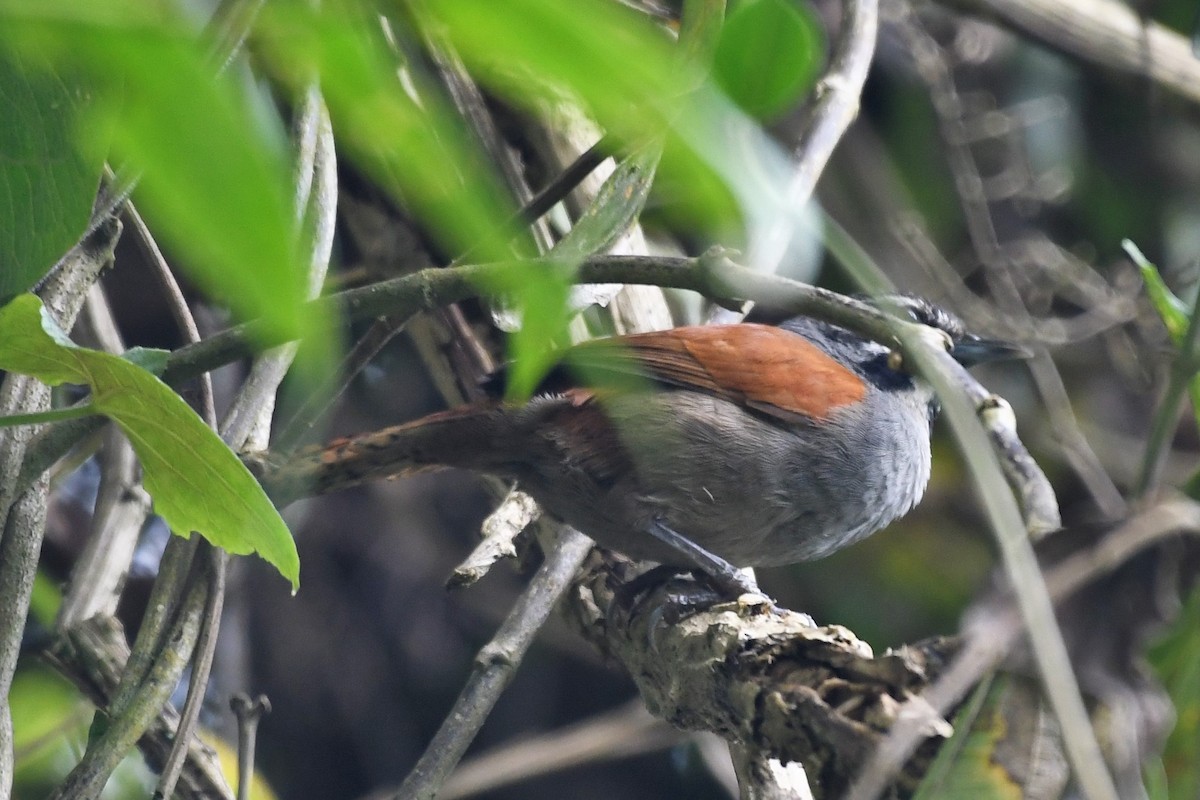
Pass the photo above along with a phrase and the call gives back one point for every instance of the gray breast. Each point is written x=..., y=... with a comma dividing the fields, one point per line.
x=773, y=495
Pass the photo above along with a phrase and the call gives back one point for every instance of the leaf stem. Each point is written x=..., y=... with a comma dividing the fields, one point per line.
x=53, y=415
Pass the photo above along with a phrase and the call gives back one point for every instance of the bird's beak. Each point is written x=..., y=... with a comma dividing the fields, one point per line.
x=971, y=350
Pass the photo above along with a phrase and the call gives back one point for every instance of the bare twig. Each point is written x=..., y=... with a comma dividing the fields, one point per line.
x=1103, y=32
x=165, y=595
x=176, y=302
x=627, y=731
x=121, y=504
x=145, y=705
x=990, y=637
x=210, y=619
x=495, y=665
x=515, y=513
x=838, y=95
x=202, y=661
x=22, y=508
x=969, y=184
x=248, y=713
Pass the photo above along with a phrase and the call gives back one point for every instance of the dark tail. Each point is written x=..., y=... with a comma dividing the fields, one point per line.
x=469, y=437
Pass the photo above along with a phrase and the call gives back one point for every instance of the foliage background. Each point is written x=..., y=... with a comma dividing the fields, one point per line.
x=1069, y=159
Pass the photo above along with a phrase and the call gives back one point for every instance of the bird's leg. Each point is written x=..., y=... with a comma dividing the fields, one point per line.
x=724, y=576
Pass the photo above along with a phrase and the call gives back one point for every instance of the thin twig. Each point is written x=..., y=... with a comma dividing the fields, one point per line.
x=963, y=399
x=121, y=507
x=991, y=637
x=126, y=727
x=839, y=93
x=626, y=732
x=494, y=667
x=1166, y=419
x=249, y=713
x=202, y=661
x=165, y=596
x=176, y=302
x=23, y=508
x=1106, y=33
x=215, y=583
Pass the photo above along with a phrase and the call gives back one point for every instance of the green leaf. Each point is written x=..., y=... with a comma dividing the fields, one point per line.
x=46, y=187
x=1175, y=317
x=1172, y=310
x=400, y=129
x=211, y=155
x=1176, y=660
x=538, y=293
x=617, y=205
x=968, y=766
x=769, y=55
x=197, y=483
x=622, y=69
x=608, y=57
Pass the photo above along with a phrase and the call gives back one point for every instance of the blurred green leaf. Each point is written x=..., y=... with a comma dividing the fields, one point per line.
x=606, y=56
x=1175, y=316
x=45, y=600
x=1176, y=661
x=214, y=179
x=42, y=704
x=628, y=74
x=46, y=187
x=398, y=128
x=50, y=719
x=197, y=483
x=769, y=55
x=966, y=767
x=1171, y=310
x=538, y=293
x=542, y=294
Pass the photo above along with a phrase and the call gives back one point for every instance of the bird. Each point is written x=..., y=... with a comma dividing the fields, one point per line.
x=704, y=447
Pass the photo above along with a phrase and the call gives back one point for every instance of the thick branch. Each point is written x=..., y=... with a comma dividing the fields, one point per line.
x=767, y=680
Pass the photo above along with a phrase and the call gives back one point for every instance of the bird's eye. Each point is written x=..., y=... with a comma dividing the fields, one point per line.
x=895, y=361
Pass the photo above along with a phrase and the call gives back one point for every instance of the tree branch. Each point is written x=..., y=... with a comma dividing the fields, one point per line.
x=1102, y=32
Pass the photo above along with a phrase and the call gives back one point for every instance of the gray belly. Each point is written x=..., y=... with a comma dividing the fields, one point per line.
x=746, y=490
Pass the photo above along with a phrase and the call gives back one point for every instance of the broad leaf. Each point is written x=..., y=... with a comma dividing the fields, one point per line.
x=197, y=483
x=46, y=188
x=210, y=155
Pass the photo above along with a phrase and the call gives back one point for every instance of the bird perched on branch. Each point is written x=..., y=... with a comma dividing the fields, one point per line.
x=710, y=447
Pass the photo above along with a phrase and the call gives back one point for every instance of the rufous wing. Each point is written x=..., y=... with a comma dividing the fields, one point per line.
x=769, y=369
